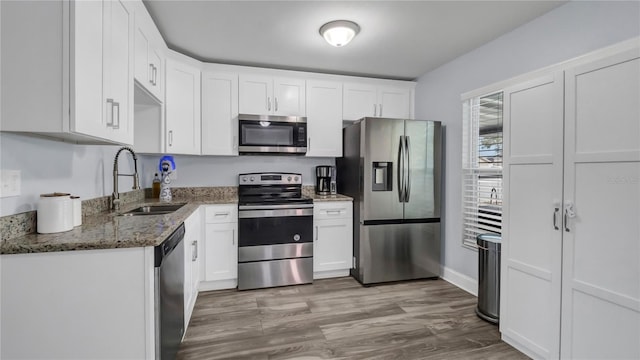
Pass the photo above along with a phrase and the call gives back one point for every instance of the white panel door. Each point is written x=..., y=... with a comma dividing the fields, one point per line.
x=219, y=113
x=360, y=100
x=289, y=97
x=221, y=251
x=601, y=246
x=256, y=94
x=118, y=71
x=333, y=245
x=182, y=109
x=88, y=106
x=394, y=102
x=324, y=118
x=531, y=247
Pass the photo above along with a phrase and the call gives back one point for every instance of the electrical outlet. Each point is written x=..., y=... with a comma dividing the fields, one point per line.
x=10, y=183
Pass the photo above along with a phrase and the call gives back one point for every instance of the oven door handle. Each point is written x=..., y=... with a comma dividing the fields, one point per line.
x=250, y=214
x=275, y=207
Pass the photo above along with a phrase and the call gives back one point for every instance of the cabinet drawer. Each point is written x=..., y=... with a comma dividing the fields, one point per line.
x=218, y=214
x=332, y=210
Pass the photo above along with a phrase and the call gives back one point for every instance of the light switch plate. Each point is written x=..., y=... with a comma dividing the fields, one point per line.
x=10, y=183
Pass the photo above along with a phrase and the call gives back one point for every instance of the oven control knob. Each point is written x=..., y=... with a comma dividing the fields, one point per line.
x=289, y=179
x=252, y=178
x=244, y=179
x=296, y=237
x=295, y=179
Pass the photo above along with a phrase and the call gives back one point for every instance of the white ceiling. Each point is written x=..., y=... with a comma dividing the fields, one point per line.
x=397, y=40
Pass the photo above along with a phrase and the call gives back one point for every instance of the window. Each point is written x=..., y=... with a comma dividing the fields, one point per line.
x=482, y=167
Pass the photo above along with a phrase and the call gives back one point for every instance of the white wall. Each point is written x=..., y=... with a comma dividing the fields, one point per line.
x=566, y=32
x=224, y=170
x=87, y=170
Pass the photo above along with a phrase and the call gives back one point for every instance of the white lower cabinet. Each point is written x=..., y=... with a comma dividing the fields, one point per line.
x=192, y=238
x=333, y=239
x=570, y=264
x=220, y=267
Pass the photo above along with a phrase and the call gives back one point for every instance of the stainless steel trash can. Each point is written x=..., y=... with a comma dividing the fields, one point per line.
x=489, y=277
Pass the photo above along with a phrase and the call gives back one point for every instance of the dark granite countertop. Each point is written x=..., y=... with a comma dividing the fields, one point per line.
x=109, y=230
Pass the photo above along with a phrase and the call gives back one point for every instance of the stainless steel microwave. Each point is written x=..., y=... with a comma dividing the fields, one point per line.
x=270, y=134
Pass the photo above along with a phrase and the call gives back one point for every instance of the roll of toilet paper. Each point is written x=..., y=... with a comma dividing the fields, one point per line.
x=77, y=210
x=55, y=213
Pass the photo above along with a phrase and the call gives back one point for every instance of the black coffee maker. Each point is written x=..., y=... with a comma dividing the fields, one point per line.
x=325, y=180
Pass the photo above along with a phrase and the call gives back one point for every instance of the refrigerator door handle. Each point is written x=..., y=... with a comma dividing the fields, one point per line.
x=407, y=152
x=400, y=170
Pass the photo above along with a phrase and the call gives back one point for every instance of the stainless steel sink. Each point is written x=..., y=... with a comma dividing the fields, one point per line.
x=153, y=210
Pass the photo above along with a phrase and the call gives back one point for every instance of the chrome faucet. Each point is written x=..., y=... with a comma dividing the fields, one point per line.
x=115, y=198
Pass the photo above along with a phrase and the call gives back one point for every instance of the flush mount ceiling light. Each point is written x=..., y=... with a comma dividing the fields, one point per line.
x=340, y=32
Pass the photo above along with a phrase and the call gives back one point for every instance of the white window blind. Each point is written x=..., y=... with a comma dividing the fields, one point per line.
x=482, y=167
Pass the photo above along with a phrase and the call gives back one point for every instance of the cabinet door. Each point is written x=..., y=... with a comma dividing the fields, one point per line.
x=531, y=247
x=221, y=251
x=333, y=245
x=359, y=101
x=289, y=97
x=182, y=108
x=143, y=69
x=219, y=113
x=324, y=118
x=256, y=95
x=601, y=246
x=88, y=105
x=118, y=65
x=394, y=102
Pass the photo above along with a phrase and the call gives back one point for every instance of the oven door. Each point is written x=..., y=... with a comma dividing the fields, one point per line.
x=274, y=233
x=272, y=134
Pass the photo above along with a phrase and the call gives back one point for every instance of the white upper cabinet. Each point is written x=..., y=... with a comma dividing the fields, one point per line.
x=265, y=95
x=83, y=87
x=369, y=100
x=182, y=106
x=324, y=118
x=219, y=113
x=148, y=54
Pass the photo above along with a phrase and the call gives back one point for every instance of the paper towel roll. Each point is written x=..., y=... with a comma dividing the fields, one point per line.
x=55, y=213
x=77, y=210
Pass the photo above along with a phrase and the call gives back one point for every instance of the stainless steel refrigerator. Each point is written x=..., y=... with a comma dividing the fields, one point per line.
x=391, y=168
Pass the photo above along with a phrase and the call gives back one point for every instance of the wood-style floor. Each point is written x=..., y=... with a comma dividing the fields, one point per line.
x=340, y=319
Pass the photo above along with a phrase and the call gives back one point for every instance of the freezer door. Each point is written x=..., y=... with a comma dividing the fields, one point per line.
x=398, y=252
x=422, y=200
x=381, y=146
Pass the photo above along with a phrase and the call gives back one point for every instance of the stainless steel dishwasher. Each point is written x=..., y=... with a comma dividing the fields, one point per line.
x=169, y=295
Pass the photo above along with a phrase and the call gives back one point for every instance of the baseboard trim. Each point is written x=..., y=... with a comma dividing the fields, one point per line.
x=330, y=274
x=218, y=285
x=462, y=281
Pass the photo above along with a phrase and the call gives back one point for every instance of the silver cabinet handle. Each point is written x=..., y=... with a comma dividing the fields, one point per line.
x=374, y=110
x=569, y=213
x=155, y=75
x=221, y=214
x=555, y=218
x=194, y=255
x=380, y=107
x=275, y=100
x=235, y=142
x=316, y=232
x=233, y=237
x=116, y=105
x=151, y=73
x=407, y=165
x=268, y=103
x=309, y=144
x=170, y=137
x=110, y=115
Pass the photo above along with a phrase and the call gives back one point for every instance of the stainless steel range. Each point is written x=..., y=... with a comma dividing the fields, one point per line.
x=275, y=231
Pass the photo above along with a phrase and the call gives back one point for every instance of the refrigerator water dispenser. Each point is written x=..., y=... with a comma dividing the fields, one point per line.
x=382, y=174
